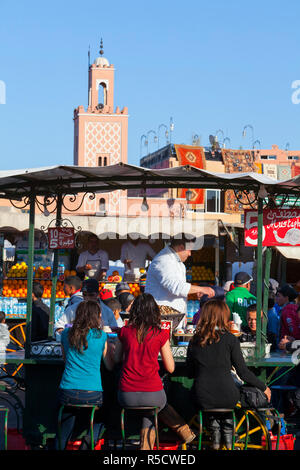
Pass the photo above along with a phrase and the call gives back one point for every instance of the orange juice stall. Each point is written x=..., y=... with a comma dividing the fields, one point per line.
x=52, y=185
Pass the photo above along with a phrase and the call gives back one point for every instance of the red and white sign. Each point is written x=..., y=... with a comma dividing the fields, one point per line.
x=61, y=238
x=165, y=325
x=281, y=227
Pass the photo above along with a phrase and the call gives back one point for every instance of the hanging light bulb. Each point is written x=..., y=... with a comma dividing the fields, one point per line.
x=262, y=193
x=144, y=206
x=188, y=195
x=46, y=212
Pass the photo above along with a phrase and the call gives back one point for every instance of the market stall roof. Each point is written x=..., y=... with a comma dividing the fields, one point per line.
x=17, y=184
x=12, y=219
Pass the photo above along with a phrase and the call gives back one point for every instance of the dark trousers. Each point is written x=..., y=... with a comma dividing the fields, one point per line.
x=158, y=399
x=77, y=421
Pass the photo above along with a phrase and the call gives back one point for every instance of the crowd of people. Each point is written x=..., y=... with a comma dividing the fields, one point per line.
x=91, y=317
x=212, y=353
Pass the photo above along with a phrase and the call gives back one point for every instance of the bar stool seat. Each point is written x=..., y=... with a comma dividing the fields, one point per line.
x=93, y=408
x=215, y=410
x=151, y=409
x=5, y=411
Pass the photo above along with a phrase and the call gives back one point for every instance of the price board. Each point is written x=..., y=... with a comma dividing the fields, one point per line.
x=61, y=238
x=281, y=227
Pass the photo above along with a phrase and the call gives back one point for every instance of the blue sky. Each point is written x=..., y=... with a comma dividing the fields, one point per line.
x=210, y=65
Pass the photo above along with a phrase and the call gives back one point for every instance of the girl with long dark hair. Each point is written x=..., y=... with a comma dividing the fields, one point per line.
x=140, y=343
x=212, y=352
x=84, y=345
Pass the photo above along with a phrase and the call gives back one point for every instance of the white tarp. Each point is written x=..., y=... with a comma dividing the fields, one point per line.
x=290, y=252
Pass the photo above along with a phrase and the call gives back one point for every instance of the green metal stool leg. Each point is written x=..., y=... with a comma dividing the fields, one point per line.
x=233, y=431
x=200, y=430
x=276, y=412
x=92, y=427
x=5, y=410
x=156, y=428
x=123, y=428
x=59, y=426
x=247, y=429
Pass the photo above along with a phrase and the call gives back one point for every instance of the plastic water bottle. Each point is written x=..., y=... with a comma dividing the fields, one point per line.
x=189, y=311
x=189, y=274
x=60, y=269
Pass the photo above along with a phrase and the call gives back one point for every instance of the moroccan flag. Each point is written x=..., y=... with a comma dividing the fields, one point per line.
x=194, y=156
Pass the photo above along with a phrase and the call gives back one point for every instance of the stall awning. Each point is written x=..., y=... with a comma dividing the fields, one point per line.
x=74, y=179
x=13, y=219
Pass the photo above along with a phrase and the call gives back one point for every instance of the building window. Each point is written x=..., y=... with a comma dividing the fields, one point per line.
x=99, y=161
x=293, y=157
x=268, y=157
x=105, y=161
x=212, y=200
x=102, y=94
x=102, y=205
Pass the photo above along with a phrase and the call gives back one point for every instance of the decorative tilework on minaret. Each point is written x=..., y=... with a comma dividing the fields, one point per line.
x=100, y=133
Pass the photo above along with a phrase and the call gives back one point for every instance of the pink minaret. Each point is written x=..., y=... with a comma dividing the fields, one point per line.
x=100, y=132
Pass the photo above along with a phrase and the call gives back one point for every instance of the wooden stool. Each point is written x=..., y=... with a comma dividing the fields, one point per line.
x=5, y=411
x=153, y=409
x=215, y=410
x=69, y=405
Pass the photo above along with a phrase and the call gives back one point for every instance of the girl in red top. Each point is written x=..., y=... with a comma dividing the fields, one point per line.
x=139, y=345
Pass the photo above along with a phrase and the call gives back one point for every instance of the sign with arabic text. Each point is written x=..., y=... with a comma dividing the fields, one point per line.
x=281, y=227
x=61, y=238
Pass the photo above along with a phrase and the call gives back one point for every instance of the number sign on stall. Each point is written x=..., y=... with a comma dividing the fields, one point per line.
x=281, y=227
x=165, y=325
x=61, y=238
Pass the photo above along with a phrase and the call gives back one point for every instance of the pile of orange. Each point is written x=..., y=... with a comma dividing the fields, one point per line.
x=134, y=288
x=18, y=288
x=18, y=270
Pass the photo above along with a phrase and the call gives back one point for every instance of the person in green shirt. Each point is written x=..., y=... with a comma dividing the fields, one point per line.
x=240, y=298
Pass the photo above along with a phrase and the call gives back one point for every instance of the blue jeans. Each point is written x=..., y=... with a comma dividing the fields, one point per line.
x=77, y=421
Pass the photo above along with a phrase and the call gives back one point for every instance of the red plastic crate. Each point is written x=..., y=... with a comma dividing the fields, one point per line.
x=286, y=442
x=75, y=445
x=167, y=446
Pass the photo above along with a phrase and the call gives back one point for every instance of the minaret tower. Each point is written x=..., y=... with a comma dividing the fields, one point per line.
x=100, y=132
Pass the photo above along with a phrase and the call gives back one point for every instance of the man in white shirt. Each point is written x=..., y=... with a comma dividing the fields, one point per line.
x=134, y=254
x=93, y=262
x=166, y=277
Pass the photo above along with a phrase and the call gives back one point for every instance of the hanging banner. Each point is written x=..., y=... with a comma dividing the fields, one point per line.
x=281, y=227
x=194, y=156
x=237, y=161
x=61, y=238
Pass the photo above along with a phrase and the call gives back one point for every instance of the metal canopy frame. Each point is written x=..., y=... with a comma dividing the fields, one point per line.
x=56, y=183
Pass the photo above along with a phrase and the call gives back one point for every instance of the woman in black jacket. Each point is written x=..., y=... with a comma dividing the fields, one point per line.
x=211, y=354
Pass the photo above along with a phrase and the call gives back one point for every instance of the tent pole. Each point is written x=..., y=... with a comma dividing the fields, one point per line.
x=54, y=272
x=268, y=260
x=30, y=273
x=217, y=260
x=259, y=349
